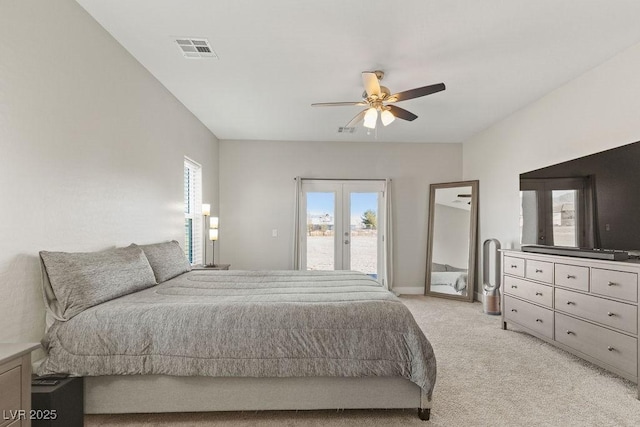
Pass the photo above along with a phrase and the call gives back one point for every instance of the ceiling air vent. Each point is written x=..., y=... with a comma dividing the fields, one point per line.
x=195, y=48
x=345, y=129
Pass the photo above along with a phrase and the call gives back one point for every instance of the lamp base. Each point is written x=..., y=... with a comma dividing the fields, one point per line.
x=209, y=266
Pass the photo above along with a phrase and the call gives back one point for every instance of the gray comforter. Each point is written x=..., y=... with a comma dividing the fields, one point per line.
x=247, y=324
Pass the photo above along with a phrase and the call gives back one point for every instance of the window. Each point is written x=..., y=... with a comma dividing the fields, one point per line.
x=192, y=211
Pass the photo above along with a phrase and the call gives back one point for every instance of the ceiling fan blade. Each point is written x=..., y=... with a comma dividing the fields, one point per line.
x=401, y=113
x=339, y=104
x=417, y=92
x=371, y=84
x=357, y=119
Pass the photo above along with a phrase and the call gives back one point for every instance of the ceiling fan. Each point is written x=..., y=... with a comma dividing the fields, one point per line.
x=376, y=98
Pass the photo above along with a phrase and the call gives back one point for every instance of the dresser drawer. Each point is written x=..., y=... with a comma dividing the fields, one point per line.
x=572, y=276
x=528, y=315
x=539, y=270
x=534, y=292
x=513, y=266
x=10, y=391
x=613, y=348
x=610, y=313
x=616, y=284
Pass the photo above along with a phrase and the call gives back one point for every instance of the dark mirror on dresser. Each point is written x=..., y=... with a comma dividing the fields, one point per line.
x=451, y=252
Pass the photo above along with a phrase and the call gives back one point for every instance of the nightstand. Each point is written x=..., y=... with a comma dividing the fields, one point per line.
x=15, y=384
x=62, y=401
x=217, y=267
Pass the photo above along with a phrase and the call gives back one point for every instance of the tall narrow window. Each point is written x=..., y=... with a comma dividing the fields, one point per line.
x=192, y=211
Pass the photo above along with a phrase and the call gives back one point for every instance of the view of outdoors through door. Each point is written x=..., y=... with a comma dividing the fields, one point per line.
x=564, y=217
x=364, y=233
x=321, y=208
x=341, y=228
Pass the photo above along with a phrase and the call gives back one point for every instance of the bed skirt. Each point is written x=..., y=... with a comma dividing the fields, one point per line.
x=160, y=393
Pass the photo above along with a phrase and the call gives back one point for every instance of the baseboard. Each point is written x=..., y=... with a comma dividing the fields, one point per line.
x=408, y=290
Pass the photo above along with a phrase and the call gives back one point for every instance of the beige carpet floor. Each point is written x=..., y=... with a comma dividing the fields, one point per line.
x=486, y=377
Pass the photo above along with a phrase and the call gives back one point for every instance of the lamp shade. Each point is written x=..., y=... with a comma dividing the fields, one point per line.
x=213, y=234
x=387, y=117
x=213, y=222
x=206, y=209
x=370, y=118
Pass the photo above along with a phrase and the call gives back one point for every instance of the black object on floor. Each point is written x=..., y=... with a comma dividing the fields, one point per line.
x=60, y=404
x=424, y=413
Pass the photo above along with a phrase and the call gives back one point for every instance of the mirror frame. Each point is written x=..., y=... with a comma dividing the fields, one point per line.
x=473, y=232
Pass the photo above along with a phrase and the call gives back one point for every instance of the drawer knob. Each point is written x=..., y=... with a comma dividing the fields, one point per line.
x=570, y=303
x=514, y=266
x=610, y=348
x=539, y=293
x=571, y=276
x=610, y=314
x=539, y=320
x=538, y=270
x=514, y=310
x=570, y=333
x=610, y=284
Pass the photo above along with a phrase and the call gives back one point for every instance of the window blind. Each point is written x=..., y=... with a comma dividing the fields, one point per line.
x=193, y=211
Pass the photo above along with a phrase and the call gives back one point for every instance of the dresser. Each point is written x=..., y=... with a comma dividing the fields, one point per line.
x=587, y=307
x=15, y=384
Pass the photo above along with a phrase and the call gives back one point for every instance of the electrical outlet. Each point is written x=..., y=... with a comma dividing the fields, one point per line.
x=274, y=232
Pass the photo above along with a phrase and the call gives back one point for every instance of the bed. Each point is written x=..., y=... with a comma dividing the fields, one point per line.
x=237, y=340
x=453, y=279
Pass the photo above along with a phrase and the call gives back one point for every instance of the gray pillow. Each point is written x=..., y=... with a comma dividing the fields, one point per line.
x=83, y=279
x=452, y=268
x=435, y=267
x=166, y=259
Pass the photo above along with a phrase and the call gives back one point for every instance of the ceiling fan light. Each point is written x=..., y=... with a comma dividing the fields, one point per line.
x=370, y=118
x=387, y=117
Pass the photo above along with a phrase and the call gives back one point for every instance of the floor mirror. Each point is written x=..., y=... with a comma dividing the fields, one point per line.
x=451, y=252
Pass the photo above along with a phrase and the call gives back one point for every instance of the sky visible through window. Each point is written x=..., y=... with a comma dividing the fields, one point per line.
x=324, y=203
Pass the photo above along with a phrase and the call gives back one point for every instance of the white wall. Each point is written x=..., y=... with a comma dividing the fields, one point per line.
x=597, y=111
x=257, y=195
x=91, y=150
x=451, y=236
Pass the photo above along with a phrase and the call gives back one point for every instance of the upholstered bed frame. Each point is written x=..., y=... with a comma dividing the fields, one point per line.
x=158, y=393
x=163, y=393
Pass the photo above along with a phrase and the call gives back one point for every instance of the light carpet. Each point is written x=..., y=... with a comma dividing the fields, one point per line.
x=486, y=377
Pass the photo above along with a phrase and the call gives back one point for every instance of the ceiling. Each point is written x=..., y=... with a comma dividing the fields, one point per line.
x=450, y=197
x=277, y=57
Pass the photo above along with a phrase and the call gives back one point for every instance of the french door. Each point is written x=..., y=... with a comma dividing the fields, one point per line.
x=342, y=225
